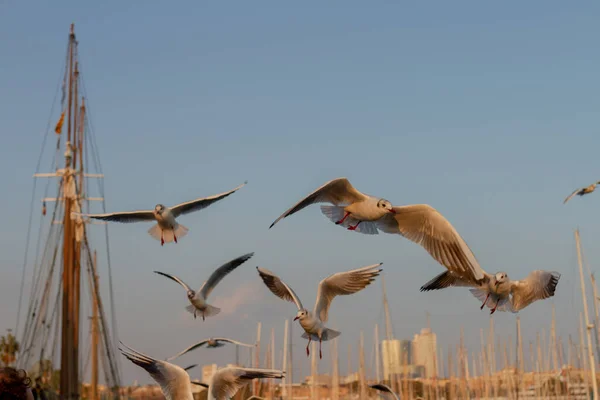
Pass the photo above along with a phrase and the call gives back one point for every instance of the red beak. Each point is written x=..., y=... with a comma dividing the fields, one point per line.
x=497, y=283
x=393, y=211
x=296, y=318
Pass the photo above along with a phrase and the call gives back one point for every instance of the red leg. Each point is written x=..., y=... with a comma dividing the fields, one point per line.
x=353, y=228
x=320, y=353
x=343, y=219
x=307, y=351
x=202, y=315
x=494, y=309
x=174, y=237
x=485, y=301
x=162, y=239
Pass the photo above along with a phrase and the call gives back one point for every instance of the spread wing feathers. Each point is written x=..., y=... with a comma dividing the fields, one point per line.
x=225, y=383
x=190, y=367
x=538, y=285
x=386, y=389
x=425, y=226
x=444, y=280
x=233, y=342
x=192, y=347
x=569, y=197
x=201, y=203
x=337, y=192
x=172, y=379
x=279, y=287
x=343, y=283
x=124, y=217
x=174, y=278
x=221, y=272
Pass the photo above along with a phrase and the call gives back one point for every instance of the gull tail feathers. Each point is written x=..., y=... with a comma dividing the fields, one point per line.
x=211, y=311
x=481, y=294
x=155, y=231
x=168, y=235
x=336, y=214
x=191, y=309
x=328, y=334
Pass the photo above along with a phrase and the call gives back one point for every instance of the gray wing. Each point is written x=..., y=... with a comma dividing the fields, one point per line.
x=199, y=204
x=343, y=283
x=226, y=382
x=338, y=192
x=174, y=278
x=538, y=285
x=221, y=272
x=569, y=197
x=233, y=342
x=192, y=347
x=385, y=389
x=279, y=287
x=123, y=217
x=448, y=279
x=174, y=382
x=424, y=225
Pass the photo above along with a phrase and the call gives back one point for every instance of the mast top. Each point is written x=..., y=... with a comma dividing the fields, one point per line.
x=72, y=33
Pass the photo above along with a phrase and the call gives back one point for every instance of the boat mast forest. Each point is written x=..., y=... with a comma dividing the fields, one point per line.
x=65, y=272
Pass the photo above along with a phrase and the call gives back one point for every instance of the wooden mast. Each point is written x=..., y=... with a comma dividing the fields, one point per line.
x=94, y=388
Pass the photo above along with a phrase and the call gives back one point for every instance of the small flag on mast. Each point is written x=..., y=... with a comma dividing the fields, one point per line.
x=59, y=124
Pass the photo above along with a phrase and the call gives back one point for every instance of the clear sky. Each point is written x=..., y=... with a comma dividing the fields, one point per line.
x=488, y=111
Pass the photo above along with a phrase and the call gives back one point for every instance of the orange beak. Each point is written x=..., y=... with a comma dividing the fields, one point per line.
x=393, y=211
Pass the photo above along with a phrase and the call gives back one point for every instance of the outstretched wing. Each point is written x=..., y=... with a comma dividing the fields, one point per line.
x=226, y=382
x=204, y=385
x=569, y=197
x=338, y=192
x=538, y=285
x=447, y=279
x=174, y=278
x=425, y=226
x=233, y=342
x=123, y=217
x=342, y=283
x=221, y=272
x=279, y=287
x=192, y=347
x=174, y=382
x=199, y=204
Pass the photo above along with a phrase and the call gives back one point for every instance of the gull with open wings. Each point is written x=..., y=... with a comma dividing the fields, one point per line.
x=198, y=299
x=167, y=229
x=497, y=291
x=175, y=382
x=341, y=283
x=210, y=343
x=582, y=191
x=419, y=223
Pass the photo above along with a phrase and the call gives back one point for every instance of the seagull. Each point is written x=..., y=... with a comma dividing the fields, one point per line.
x=419, y=223
x=205, y=385
x=341, y=283
x=198, y=299
x=385, y=389
x=504, y=294
x=582, y=191
x=167, y=229
x=210, y=343
x=175, y=382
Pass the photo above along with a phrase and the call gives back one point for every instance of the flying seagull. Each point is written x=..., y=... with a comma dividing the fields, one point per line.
x=498, y=292
x=385, y=389
x=167, y=229
x=210, y=343
x=198, y=299
x=419, y=223
x=582, y=191
x=175, y=382
x=205, y=385
x=341, y=283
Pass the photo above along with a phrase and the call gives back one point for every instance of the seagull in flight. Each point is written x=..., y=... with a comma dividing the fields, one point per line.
x=582, y=191
x=419, y=223
x=205, y=385
x=210, y=343
x=341, y=283
x=167, y=229
x=198, y=299
x=175, y=382
x=497, y=291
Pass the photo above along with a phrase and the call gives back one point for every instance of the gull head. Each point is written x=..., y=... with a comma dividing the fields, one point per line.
x=301, y=315
x=158, y=209
x=500, y=278
x=386, y=205
x=191, y=294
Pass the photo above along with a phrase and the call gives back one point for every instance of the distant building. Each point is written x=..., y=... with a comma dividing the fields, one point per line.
x=424, y=349
x=390, y=350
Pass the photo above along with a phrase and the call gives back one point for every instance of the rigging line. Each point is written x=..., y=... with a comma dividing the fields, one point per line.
x=27, y=237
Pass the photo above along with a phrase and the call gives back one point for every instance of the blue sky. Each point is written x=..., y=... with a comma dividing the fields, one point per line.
x=488, y=112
